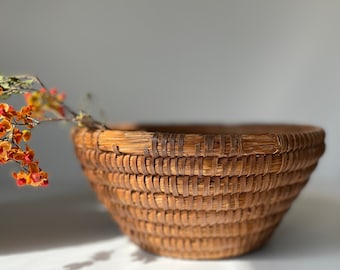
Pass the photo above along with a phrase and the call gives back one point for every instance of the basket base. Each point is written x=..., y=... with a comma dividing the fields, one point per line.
x=199, y=256
x=230, y=248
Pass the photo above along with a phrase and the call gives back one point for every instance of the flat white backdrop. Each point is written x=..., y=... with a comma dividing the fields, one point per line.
x=172, y=61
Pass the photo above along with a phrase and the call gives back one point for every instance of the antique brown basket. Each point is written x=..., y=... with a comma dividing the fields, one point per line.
x=199, y=192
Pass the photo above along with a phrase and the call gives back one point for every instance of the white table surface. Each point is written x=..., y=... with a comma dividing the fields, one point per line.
x=76, y=233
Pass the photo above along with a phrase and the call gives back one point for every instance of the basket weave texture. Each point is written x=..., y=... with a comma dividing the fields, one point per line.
x=199, y=192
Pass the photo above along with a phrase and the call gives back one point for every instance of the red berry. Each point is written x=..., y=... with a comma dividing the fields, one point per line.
x=53, y=91
x=35, y=177
x=44, y=183
x=21, y=182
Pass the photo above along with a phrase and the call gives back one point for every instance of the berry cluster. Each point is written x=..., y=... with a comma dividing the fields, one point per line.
x=16, y=126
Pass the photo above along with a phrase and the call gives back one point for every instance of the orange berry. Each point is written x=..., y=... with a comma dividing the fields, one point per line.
x=26, y=135
x=5, y=126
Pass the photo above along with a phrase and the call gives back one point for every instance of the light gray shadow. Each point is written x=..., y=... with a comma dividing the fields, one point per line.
x=99, y=256
x=143, y=256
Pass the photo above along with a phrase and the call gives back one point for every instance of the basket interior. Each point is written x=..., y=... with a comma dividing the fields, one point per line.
x=218, y=128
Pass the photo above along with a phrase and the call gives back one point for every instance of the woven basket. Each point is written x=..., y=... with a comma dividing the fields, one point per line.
x=199, y=192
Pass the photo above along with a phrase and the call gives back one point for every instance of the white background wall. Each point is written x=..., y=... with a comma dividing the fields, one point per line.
x=177, y=61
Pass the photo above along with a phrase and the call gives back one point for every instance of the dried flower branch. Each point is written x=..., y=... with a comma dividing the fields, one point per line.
x=42, y=105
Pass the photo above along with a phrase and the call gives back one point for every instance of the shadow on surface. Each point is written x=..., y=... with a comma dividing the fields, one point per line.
x=143, y=256
x=310, y=228
x=35, y=225
x=99, y=256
